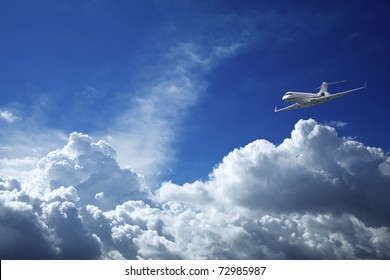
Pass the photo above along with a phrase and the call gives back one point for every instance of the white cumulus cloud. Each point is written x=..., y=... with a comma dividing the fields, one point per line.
x=316, y=195
x=8, y=116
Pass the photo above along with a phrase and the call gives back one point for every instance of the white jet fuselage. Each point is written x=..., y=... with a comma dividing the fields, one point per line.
x=305, y=99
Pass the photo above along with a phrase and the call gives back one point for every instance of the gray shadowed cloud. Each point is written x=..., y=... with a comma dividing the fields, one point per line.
x=41, y=218
x=316, y=195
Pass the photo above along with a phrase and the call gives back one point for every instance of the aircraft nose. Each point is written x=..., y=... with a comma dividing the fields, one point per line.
x=286, y=96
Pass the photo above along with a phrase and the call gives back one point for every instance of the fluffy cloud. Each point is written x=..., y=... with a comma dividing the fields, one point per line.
x=8, y=116
x=315, y=196
x=338, y=175
x=41, y=218
x=90, y=169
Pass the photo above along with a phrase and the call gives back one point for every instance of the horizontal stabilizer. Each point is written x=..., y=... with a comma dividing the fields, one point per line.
x=331, y=83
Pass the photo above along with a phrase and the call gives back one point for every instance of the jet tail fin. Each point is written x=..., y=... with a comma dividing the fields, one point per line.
x=324, y=86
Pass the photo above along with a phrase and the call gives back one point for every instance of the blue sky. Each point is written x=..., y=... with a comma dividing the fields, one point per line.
x=175, y=86
x=79, y=65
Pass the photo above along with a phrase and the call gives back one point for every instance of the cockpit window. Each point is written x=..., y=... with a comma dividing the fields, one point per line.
x=288, y=93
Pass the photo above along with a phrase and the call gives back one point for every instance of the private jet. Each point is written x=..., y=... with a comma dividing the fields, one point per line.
x=305, y=99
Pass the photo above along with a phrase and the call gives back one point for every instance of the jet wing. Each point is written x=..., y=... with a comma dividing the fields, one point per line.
x=329, y=97
x=294, y=106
